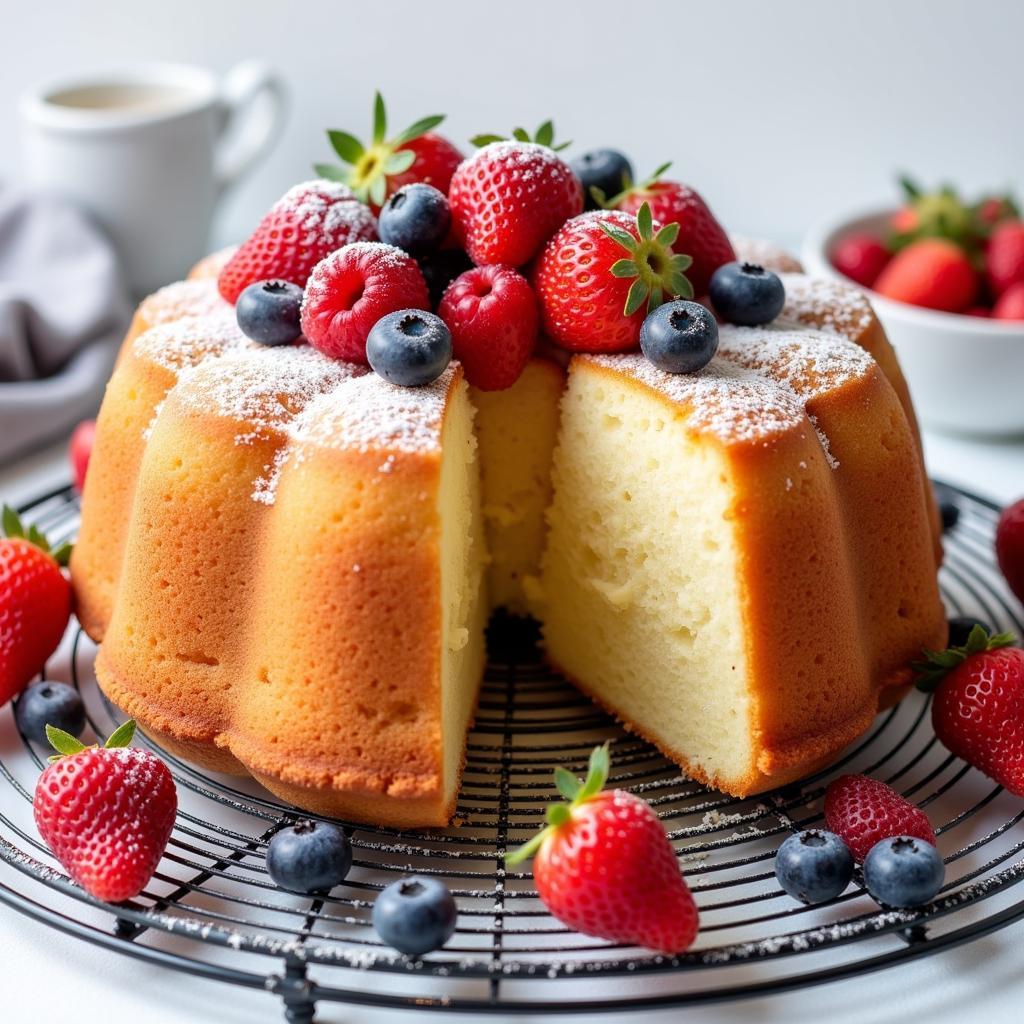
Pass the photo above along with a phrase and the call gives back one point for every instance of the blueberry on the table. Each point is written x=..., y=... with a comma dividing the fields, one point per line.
x=441, y=268
x=903, y=871
x=268, y=312
x=410, y=347
x=309, y=856
x=46, y=703
x=679, y=336
x=416, y=218
x=814, y=866
x=415, y=915
x=604, y=169
x=746, y=294
x=949, y=509
x=960, y=627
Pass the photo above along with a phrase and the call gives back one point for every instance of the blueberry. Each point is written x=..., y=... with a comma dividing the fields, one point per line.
x=410, y=347
x=960, y=627
x=605, y=169
x=903, y=872
x=46, y=703
x=746, y=294
x=679, y=336
x=416, y=218
x=268, y=312
x=441, y=268
x=814, y=866
x=949, y=510
x=309, y=856
x=415, y=915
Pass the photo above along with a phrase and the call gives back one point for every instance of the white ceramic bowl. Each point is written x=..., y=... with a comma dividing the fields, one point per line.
x=966, y=373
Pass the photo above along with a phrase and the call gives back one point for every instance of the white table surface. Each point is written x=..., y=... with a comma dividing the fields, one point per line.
x=978, y=982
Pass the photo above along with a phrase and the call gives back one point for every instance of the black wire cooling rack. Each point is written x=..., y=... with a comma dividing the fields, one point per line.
x=211, y=910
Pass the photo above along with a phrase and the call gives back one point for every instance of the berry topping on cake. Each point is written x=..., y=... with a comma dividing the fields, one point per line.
x=409, y=348
x=416, y=218
x=978, y=704
x=307, y=223
x=934, y=273
x=814, y=866
x=79, y=450
x=700, y=236
x=604, y=866
x=49, y=703
x=106, y=812
x=441, y=268
x=1010, y=546
x=863, y=811
x=746, y=294
x=492, y=314
x=861, y=258
x=309, y=856
x=373, y=172
x=603, y=173
x=509, y=197
x=679, y=336
x=415, y=915
x=600, y=275
x=35, y=602
x=903, y=872
x=268, y=312
x=351, y=289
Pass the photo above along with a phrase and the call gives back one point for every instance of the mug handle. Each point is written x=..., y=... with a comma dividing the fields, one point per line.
x=243, y=85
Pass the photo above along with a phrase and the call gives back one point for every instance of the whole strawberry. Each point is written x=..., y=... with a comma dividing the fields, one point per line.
x=1004, y=256
x=307, y=223
x=933, y=272
x=700, y=236
x=508, y=198
x=492, y=315
x=978, y=706
x=1010, y=305
x=601, y=274
x=864, y=811
x=105, y=812
x=35, y=603
x=605, y=867
x=1010, y=546
x=376, y=171
x=861, y=258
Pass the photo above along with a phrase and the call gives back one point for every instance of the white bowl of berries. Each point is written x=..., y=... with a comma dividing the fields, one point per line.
x=947, y=282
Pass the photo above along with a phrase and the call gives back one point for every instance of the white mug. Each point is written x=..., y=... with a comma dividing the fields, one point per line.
x=148, y=150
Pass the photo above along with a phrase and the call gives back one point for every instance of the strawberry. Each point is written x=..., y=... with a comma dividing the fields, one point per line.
x=863, y=811
x=106, y=812
x=35, y=603
x=605, y=867
x=383, y=167
x=1010, y=305
x=978, y=707
x=79, y=450
x=350, y=290
x=1010, y=546
x=861, y=258
x=1004, y=256
x=492, y=315
x=700, y=236
x=600, y=275
x=307, y=223
x=933, y=273
x=508, y=199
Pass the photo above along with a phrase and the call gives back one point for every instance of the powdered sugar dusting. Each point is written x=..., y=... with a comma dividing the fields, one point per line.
x=198, y=297
x=187, y=341
x=826, y=304
x=764, y=254
x=327, y=210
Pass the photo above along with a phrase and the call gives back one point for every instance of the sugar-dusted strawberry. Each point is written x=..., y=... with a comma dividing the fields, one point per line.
x=350, y=290
x=79, y=451
x=492, y=314
x=1010, y=546
x=373, y=172
x=604, y=866
x=978, y=704
x=307, y=223
x=1010, y=305
x=863, y=811
x=700, y=236
x=105, y=812
x=861, y=258
x=600, y=275
x=35, y=602
x=1004, y=257
x=509, y=197
x=934, y=273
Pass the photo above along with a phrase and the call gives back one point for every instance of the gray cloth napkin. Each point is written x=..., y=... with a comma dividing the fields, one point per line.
x=63, y=310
